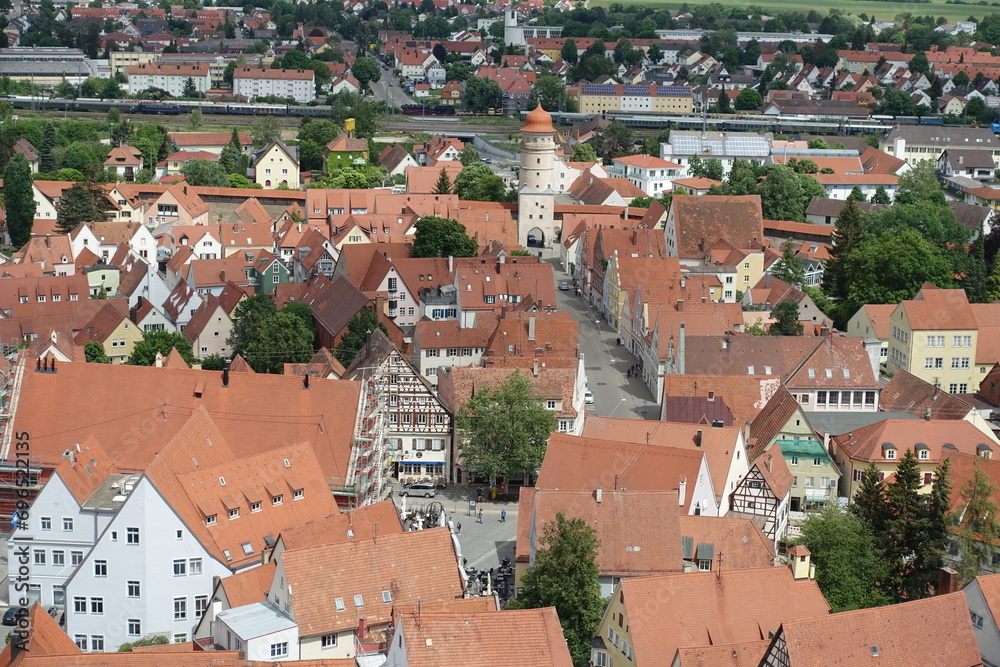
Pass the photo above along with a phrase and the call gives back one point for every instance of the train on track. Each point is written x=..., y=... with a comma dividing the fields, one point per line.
x=784, y=123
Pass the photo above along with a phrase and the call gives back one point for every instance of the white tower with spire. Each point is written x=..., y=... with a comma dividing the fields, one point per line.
x=536, y=194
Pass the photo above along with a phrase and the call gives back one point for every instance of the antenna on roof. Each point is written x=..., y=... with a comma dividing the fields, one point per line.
x=718, y=571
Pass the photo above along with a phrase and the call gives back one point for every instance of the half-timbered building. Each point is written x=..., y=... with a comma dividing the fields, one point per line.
x=762, y=496
x=418, y=426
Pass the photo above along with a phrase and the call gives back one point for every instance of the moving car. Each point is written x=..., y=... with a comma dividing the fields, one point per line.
x=425, y=489
x=589, y=397
x=564, y=286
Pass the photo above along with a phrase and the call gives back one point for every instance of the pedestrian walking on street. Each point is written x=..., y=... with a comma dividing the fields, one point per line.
x=503, y=516
x=480, y=519
x=459, y=528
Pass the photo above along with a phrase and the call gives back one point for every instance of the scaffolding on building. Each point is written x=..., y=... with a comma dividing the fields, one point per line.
x=367, y=472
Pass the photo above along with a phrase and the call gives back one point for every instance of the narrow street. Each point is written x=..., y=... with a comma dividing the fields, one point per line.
x=607, y=363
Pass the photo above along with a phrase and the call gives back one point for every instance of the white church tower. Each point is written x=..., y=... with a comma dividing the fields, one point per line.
x=536, y=194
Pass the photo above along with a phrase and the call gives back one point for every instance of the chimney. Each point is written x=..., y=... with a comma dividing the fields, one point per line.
x=682, y=491
x=697, y=438
x=947, y=581
x=799, y=562
x=70, y=455
x=222, y=275
x=158, y=363
x=682, y=351
x=531, y=328
x=767, y=280
x=927, y=413
x=38, y=365
x=711, y=395
x=305, y=381
x=362, y=628
x=52, y=365
x=534, y=367
x=380, y=303
x=680, y=305
x=899, y=147
x=768, y=463
x=225, y=376
x=451, y=264
x=599, y=494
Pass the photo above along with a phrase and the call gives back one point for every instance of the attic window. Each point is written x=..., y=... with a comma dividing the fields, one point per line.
x=222, y=481
x=210, y=520
x=749, y=370
x=225, y=552
x=847, y=373
x=247, y=548
x=359, y=601
x=812, y=373
x=874, y=651
x=340, y=604
x=386, y=597
x=829, y=373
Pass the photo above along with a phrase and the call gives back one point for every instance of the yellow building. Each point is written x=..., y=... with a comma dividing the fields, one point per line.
x=122, y=60
x=111, y=327
x=934, y=337
x=275, y=166
x=886, y=442
x=598, y=98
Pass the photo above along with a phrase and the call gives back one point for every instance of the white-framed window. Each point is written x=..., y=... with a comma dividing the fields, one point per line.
x=96, y=605
x=59, y=558
x=180, y=609
x=67, y=524
x=75, y=558
x=100, y=568
x=200, y=605
x=39, y=556
x=97, y=643
x=134, y=589
x=180, y=567
x=132, y=536
x=134, y=627
x=79, y=605
x=210, y=520
x=279, y=650
x=277, y=500
x=234, y=513
x=194, y=566
x=46, y=523
x=359, y=601
x=328, y=641
x=297, y=494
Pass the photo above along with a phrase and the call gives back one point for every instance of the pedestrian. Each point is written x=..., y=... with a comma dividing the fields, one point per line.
x=503, y=516
x=480, y=520
x=459, y=528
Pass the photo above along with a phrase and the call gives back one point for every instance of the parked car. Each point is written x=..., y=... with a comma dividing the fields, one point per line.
x=564, y=286
x=487, y=160
x=589, y=397
x=392, y=85
x=425, y=489
x=12, y=614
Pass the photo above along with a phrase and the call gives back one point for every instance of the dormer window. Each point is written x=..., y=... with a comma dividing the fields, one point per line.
x=491, y=299
x=210, y=520
x=889, y=451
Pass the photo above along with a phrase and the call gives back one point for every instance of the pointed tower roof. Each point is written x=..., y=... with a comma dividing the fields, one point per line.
x=539, y=121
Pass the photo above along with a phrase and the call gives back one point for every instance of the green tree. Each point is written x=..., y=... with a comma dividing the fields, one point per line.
x=749, y=100
x=584, y=152
x=781, y=195
x=121, y=132
x=77, y=205
x=725, y=106
x=190, y=90
x=869, y=503
x=856, y=195
x=847, y=234
x=714, y=169
x=786, y=319
x=47, y=163
x=550, y=91
x=19, y=199
x=469, y=155
x=301, y=311
x=920, y=185
x=366, y=71
x=94, y=353
x=978, y=529
x=113, y=117
x=314, y=136
x=227, y=75
x=655, y=53
x=144, y=352
x=442, y=237
x=264, y=130
x=477, y=182
x=848, y=569
x=195, y=119
x=213, y=362
x=359, y=326
x=978, y=111
x=280, y=339
x=892, y=267
x=569, y=53
x=881, y=196
x=919, y=64
x=249, y=315
x=443, y=185
x=205, y=173
x=158, y=640
x=789, y=269
x=505, y=429
x=993, y=284
x=975, y=280
x=613, y=141
x=565, y=576
x=961, y=79
x=481, y=94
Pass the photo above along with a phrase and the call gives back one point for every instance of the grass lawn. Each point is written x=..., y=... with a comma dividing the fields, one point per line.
x=881, y=10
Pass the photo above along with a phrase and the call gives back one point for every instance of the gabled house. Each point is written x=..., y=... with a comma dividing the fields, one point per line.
x=112, y=328
x=638, y=627
x=277, y=165
x=763, y=496
x=179, y=203
x=30, y=153
x=396, y=159
x=209, y=328
x=125, y=161
x=419, y=425
x=342, y=151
